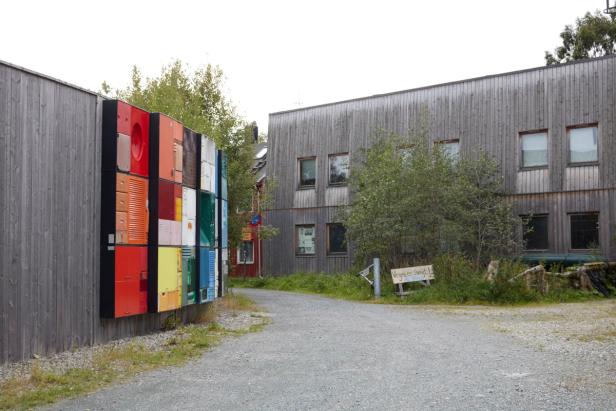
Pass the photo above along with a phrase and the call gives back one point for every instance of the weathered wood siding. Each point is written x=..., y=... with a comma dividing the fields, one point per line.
x=50, y=180
x=484, y=114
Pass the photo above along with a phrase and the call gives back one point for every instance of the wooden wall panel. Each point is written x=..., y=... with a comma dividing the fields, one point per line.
x=50, y=162
x=485, y=114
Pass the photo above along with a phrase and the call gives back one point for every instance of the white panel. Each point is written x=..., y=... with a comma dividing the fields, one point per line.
x=189, y=203
x=204, y=172
x=176, y=232
x=189, y=232
x=164, y=232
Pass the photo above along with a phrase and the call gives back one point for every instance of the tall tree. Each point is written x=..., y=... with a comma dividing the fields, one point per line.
x=412, y=202
x=593, y=35
x=197, y=100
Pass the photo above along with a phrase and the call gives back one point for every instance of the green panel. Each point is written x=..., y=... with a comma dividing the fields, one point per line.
x=207, y=219
x=189, y=275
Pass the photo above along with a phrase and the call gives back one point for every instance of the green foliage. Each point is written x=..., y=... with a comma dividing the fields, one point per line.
x=413, y=203
x=594, y=35
x=197, y=100
x=347, y=286
x=457, y=282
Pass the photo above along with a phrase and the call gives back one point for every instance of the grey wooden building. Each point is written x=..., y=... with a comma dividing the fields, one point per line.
x=50, y=199
x=552, y=129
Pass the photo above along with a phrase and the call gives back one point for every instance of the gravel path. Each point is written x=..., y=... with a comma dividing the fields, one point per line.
x=320, y=353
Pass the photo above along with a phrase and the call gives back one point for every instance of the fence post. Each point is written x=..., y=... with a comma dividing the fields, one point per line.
x=376, y=266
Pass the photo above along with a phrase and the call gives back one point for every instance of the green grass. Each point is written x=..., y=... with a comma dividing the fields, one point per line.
x=456, y=283
x=114, y=364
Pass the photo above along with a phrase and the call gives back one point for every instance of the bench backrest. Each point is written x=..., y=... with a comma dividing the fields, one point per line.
x=412, y=274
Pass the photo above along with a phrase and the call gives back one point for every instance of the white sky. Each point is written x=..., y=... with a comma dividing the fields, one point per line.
x=280, y=55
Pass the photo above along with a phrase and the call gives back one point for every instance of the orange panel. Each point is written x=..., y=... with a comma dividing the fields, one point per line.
x=121, y=221
x=121, y=200
x=169, y=301
x=122, y=183
x=123, y=118
x=177, y=160
x=178, y=132
x=138, y=214
x=165, y=148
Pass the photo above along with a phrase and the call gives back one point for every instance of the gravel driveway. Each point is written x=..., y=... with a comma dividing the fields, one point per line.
x=320, y=353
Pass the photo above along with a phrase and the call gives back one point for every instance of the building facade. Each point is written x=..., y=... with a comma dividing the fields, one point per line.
x=551, y=129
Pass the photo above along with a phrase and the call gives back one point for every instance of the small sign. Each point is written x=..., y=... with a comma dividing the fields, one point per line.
x=412, y=274
x=255, y=220
x=246, y=234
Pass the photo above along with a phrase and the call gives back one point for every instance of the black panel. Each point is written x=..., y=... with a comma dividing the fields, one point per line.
x=153, y=204
x=189, y=159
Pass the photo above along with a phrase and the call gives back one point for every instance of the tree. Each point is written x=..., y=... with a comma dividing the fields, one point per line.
x=411, y=202
x=594, y=35
x=196, y=99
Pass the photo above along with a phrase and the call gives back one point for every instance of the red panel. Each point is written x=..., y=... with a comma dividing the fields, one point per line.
x=140, y=142
x=127, y=298
x=138, y=213
x=131, y=263
x=131, y=273
x=166, y=200
x=123, y=118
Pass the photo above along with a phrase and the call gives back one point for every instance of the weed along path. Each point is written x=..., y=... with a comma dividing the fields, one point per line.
x=321, y=353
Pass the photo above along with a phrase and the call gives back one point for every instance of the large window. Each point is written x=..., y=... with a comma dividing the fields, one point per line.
x=338, y=168
x=536, y=232
x=451, y=148
x=534, y=150
x=307, y=172
x=245, y=253
x=584, y=231
x=305, y=235
x=583, y=147
x=336, y=239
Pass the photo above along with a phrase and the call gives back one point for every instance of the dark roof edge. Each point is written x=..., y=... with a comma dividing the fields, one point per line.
x=449, y=83
x=46, y=77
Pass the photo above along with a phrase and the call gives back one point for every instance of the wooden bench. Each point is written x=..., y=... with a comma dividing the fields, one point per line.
x=421, y=274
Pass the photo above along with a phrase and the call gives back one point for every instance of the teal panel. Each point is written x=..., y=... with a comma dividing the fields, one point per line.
x=207, y=219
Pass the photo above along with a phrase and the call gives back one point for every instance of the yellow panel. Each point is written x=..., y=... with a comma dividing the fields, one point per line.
x=178, y=209
x=167, y=268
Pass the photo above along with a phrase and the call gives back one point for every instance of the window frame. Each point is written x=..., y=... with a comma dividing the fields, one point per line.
x=346, y=181
x=296, y=240
x=521, y=135
x=299, y=173
x=328, y=241
x=582, y=163
x=451, y=141
x=598, y=214
x=547, y=234
x=239, y=253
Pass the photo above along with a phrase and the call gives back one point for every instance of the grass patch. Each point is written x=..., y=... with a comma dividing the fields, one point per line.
x=456, y=283
x=112, y=364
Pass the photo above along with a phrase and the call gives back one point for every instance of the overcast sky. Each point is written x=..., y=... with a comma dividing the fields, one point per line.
x=280, y=55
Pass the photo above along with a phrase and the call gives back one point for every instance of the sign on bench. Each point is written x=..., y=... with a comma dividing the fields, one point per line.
x=421, y=274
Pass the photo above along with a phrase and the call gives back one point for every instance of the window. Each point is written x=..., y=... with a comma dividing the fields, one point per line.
x=536, y=232
x=338, y=168
x=336, y=239
x=584, y=231
x=245, y=253
x=305, y=239
x=452, y=149
x=583, y=145
x=534, y=150
x=307, y=172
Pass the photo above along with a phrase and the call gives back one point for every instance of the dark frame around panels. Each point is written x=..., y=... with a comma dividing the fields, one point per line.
x=153, y=200
x=108, y=209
